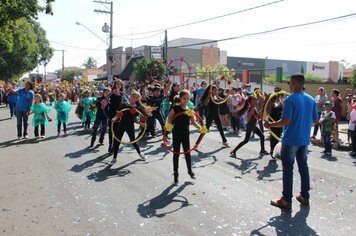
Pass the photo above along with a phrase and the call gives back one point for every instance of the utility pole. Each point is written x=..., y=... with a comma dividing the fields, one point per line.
x=62, y=59
x=110, y=56
x=165, y=51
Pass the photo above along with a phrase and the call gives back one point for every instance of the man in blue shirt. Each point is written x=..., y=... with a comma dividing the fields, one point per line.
x=23, y=106
x=299, y=113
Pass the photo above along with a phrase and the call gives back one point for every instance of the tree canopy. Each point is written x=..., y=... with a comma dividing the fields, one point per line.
x=23, y=43
x=144, y=66
x=90, y=62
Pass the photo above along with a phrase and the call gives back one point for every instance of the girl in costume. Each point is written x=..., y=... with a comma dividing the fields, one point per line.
x=252, y=119
x=115, y=102
x=210, y=99
x=89, y=112
x=127, y=123
x=63, y=108
x=180, y=131
x=155, y=101
x=101, y=117
x=40, y=118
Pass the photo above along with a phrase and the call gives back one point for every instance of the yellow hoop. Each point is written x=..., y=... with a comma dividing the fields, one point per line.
x=133, y=141
x=265, y=111
x=221, y=102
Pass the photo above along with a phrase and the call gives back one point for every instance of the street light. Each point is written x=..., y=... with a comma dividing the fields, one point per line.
x=106, y=29
x=78, y=23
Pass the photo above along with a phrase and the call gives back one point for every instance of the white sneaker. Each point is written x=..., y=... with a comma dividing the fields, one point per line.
x=113, y=161
x=26, y=137
x=226, y=145
x=143, y=157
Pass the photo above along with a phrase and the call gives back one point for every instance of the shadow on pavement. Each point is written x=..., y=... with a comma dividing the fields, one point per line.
x=16, y=142
x=159, y=151
x=203, y=155
x=329, y=158
x=149, y=208
x=246, y=166
x=271, y=168
x=78, y=168
x=285, y=224
x=9, y=118
x=108, y=172
x=78, y=153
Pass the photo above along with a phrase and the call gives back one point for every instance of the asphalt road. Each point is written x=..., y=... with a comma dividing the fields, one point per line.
x=58, y=186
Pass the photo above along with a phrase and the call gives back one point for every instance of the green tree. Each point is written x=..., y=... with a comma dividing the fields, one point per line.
x=352, y=79
x=12, y=10
x=22, y=47
x=90, y=62
x=69, y=75
x=144, y=66
x=314, y=78
x=208, y=72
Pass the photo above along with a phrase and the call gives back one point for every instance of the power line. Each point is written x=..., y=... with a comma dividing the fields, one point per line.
x=268, y=31
x=151, y=36
x=76, y=47
x=207, y=19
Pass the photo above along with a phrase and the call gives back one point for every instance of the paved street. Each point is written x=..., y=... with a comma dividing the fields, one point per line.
x=58, y=186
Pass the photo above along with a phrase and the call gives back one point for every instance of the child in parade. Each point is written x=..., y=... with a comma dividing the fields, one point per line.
x=275, y=110
x=101, y=117
x=63, y=108
x=155, y=101
x=115, y=102
x=327, y=119
x=180, y=131
x=210, y=99
x=88, y=115
x=40, y=118
x=252, y=119
x=127, y=123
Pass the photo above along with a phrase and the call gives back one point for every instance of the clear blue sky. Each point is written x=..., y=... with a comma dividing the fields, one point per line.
x=321, y=43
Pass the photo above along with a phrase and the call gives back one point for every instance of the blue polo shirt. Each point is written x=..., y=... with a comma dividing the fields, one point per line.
x=300, y=109
x=23, y=102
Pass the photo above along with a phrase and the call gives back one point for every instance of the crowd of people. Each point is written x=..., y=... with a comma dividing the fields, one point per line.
x=171, y=107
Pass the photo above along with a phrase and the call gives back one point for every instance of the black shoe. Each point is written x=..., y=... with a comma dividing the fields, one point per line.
x=175, y=174
x=101, y=141
x=191, y=174
x=264, y=152
x=352, y=153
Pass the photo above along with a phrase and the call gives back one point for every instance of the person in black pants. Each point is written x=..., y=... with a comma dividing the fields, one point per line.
x=101, y=117
x=213, y=114
x=252, y=119
x=275, y=113
x=180, y=132
x=155, y=101
x=127, y=122
x=115, y=102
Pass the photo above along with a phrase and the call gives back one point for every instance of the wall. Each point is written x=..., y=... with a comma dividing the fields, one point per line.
x=334, y=71
x=318, y=68
x=186, y=41
x=210, y=56
x=289, y=67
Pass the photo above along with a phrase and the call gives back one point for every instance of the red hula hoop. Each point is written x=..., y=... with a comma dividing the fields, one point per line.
x=169, y=148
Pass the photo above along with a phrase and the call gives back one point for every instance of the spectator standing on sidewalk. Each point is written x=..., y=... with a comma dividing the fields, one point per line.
x=299, y=113
x=337, y=108
x=326, y=121
x=320, y=100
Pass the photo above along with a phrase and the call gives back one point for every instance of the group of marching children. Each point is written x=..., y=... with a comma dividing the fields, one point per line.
x=40, y=112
